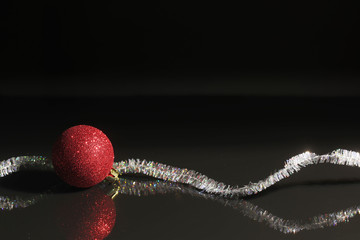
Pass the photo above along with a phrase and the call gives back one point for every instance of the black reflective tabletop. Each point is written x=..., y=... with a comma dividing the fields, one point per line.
x=231, y=139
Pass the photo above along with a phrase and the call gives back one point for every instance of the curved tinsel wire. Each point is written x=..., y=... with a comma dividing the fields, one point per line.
x=198, y=180
x=14, y=164
x=209, y=185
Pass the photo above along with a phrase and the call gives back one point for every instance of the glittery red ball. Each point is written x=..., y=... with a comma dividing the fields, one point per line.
x=83, y=156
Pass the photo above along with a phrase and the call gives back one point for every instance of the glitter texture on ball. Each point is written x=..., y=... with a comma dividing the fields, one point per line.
x=83, y=156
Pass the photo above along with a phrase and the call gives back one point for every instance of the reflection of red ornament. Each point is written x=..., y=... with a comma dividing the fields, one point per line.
x=83, y=156
x=88, y=215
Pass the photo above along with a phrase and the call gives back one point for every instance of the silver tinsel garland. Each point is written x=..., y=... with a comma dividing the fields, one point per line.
x=198, y=180
x=211, y=189
x=209, y=185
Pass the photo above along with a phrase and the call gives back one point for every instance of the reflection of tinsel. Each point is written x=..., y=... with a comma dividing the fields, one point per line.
x=144, y=188
x=291, y=226
x=10, y=203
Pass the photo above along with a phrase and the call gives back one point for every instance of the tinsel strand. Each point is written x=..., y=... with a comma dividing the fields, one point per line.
x=174, y=178
x=198, y=180
x=209, y=185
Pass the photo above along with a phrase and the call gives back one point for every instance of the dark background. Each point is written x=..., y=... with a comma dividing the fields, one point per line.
x=261, y=48
x=89, y=36
x=231, y=91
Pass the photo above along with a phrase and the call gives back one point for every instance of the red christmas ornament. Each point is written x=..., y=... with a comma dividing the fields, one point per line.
x=83, y=156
